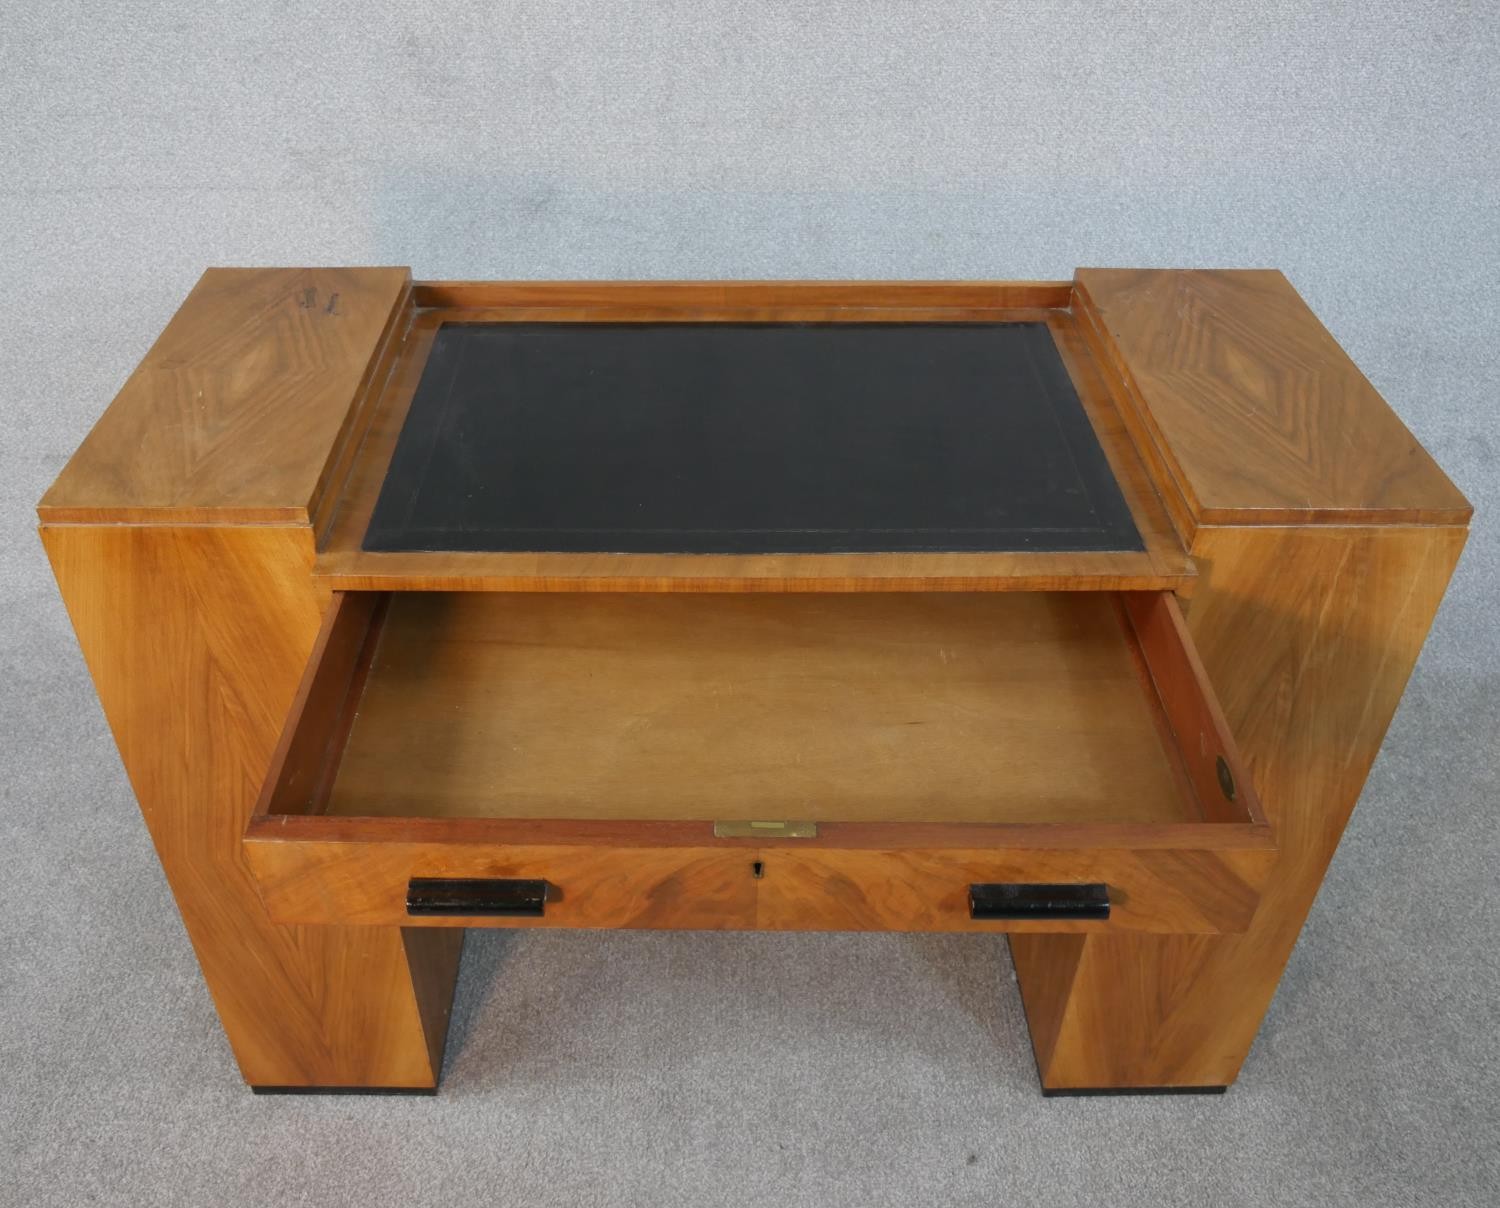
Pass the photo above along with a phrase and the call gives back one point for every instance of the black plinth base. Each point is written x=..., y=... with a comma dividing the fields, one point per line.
x=345, y=1090
x=1080, y=1092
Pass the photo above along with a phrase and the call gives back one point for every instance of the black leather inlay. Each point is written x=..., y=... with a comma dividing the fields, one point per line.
x=747, y=438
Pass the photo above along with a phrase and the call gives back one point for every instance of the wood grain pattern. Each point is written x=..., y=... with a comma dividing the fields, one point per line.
x=1309, y=635
x=944, y=708
x=317, y=725
x=1200, y=733
x=790, y=310
x=852, y=836
x=237, y=413
x=313, y=872
x=318, y=880
x=195, y=639
x=1153, y=520
x=916, y=889
x=349, y=570
x=1248, y=414
x=432, y=959
x=343, y=565
x=1253, y=411
x=691, y=299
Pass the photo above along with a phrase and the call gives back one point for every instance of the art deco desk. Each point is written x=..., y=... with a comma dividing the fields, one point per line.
x=1070, y=610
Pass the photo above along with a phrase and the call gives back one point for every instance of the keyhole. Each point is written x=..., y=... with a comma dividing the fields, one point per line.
x=757, y=869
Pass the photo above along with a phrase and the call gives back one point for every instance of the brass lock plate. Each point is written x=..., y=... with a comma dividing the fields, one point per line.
x=765, y=830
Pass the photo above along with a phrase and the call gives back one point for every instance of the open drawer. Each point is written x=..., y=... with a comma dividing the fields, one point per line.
x=949, y=762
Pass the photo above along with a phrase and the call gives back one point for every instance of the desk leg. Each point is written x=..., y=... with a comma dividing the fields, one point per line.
x=196, y=639
x=1309, y=636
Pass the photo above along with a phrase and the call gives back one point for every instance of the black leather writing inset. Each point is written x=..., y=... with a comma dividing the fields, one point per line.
x=747, y=438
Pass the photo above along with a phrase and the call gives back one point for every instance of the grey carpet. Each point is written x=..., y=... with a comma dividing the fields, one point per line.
x=1353, y=145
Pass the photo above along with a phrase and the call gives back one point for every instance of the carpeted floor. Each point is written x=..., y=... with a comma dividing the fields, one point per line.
x=1352, y=145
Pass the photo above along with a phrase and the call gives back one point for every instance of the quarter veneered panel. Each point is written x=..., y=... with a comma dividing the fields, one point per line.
x=1259, y=416
x=195, y=638
x=238, y=408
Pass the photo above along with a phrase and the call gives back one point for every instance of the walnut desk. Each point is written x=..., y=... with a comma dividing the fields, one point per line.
x=1073, y=610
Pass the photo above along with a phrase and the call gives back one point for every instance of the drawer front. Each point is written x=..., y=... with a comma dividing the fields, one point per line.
x=1147, y=890
x=308, y=875
x=329, y=880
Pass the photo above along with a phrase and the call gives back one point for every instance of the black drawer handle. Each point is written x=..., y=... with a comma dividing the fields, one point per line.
x=461, y=896
x=1039, y=901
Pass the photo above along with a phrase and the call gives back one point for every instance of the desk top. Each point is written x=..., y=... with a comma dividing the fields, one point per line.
x=278, y=396
x=741, y=438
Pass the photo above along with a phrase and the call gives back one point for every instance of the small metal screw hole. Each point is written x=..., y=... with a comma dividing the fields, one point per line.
x=1226, y=778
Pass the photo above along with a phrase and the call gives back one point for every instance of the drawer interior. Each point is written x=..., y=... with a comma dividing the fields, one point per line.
x=1005, y=708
